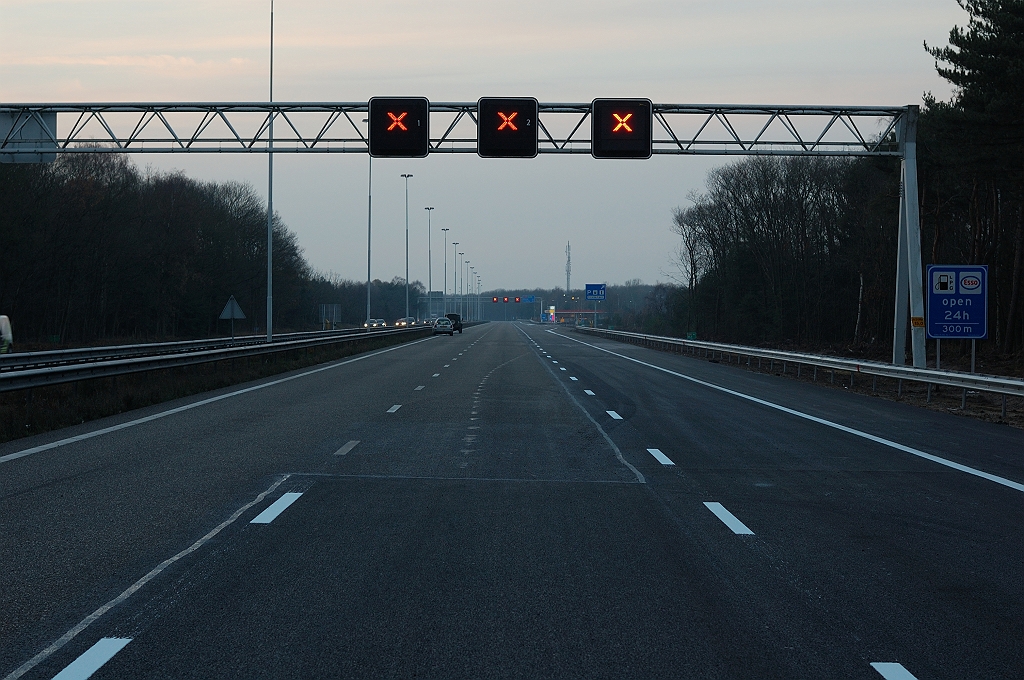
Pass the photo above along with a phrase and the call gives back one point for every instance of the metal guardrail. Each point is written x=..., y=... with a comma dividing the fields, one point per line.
x=53, y=375
x=24, y=360
x=973, y=381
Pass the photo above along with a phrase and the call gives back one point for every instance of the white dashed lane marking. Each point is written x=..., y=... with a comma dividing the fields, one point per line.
x=394, y=408
x=447, y=365
x=560, y=368
x=418, y=388
x=662, y=458
x=590, y=392
x=346, y=448
x=276, y=508
x=614, y=415
x=573, y=378
x=892, y=671
x=435, y=375
x=91, y=659
x=728, y=519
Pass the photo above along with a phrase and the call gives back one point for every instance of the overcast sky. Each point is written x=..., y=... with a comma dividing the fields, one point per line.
x=511, y=217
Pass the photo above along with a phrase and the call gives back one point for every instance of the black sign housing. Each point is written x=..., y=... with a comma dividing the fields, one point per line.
x=506, y=127
x=399, y=127
x=621, y=128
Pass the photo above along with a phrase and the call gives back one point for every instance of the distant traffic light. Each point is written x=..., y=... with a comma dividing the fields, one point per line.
x=506, y=128
x=518, y=300
x=506, y=299
x=399, y=128
x=494, y=299
x=621, y=128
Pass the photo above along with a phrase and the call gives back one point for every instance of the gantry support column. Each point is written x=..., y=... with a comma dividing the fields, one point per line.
x=909, y=278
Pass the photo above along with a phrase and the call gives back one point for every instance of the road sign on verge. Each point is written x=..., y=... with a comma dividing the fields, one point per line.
x=595, y=291
x=957, y=301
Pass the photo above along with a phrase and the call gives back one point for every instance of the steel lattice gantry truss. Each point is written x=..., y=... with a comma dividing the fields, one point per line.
x=27, y=129
x=37, y=132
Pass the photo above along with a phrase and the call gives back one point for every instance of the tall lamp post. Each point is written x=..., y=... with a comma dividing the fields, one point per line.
x=406, y=243
x=463, y=286
x=444, y=296
x=369, y=227
x=455, y=275
x=270, y=192
x=430, y=271
x=472, y=302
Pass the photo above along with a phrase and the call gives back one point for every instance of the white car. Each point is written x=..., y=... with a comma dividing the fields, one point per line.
x=442, y=326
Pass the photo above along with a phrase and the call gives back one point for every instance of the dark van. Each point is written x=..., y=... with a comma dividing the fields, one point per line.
x=456, y=321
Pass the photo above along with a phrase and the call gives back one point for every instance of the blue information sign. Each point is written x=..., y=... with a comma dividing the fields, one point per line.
x=529, y=299
x=957, y=301
x=595, y=291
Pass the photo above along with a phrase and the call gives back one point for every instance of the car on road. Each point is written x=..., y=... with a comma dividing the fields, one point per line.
x=405, y=321
x=374, y=323
x=443, y=325
x=456, y=320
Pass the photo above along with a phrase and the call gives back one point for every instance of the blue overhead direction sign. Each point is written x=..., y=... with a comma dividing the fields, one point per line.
x=530, y=299
x=595, y=291
x=957, y=301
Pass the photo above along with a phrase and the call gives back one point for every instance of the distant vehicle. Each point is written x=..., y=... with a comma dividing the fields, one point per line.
x=456, y=321
x=6, y=336
x=405, y=321
x=442, y=326
x=374, y=323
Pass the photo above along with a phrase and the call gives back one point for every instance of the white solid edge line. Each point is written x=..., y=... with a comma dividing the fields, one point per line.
x=892, y=671
x=661, y=457
x=186, y=407
x=614, y=415
x=276, y=508
x=133, y=588
x=729, y=519
x=394, y=408
x=346, y=448
x=91, y=659
x=590, y=392
x=1009, y=483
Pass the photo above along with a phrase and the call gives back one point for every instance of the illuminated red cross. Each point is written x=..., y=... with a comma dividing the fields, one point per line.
x=622, y=122
x=396, y=121
x=506, y=121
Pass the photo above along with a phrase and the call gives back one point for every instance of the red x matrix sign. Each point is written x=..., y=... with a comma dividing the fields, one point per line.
x=399, y=127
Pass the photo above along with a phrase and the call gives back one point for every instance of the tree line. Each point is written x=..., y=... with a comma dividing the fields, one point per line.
x=801, y=251
x=94, y=250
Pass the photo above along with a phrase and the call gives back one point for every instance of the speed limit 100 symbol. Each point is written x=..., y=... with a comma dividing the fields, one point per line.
x=506, y=127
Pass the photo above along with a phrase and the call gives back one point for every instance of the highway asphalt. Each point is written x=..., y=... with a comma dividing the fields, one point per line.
x=515, y=501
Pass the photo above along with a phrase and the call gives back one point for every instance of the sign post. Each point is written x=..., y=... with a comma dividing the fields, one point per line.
x=595, y=292
x=232, y=311
x=957, y=307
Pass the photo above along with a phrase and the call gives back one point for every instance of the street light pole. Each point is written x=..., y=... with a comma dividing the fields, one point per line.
x=406, y=244
x=455, y=275
x=369, y=229
x=444, y=296
x=270, y=192
x=461, y=310
x=430, y=271
x=472, y=305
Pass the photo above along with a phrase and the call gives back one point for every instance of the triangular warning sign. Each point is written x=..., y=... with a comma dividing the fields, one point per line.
x=232, y=310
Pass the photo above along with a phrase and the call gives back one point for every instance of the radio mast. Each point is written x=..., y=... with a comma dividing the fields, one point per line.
x=568, y=267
